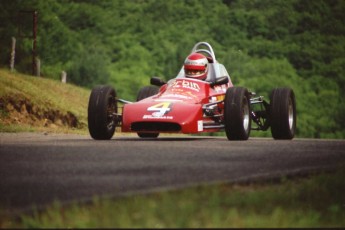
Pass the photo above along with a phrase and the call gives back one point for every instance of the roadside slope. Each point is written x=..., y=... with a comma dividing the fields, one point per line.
x=30, y=103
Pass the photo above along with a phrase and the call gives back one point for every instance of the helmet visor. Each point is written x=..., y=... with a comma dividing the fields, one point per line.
x=192, y=72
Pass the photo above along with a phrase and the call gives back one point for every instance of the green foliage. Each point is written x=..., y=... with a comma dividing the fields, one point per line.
x=262, y=43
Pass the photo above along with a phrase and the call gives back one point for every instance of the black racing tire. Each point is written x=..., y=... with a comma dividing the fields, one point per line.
x=145, y=92
x=283, y=113
x=237, y=113
x=102, y=108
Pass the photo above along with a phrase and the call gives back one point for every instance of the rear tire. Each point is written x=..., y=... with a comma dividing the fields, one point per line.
x=102, y=110
x=145, y=92
x=237, y=113
x=283, y=113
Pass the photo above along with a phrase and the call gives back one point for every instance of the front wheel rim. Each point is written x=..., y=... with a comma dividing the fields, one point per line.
x=290, y=114
x=246, y=115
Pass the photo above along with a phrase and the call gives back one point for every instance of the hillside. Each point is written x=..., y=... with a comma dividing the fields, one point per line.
x=262, y=43
x=36, y=104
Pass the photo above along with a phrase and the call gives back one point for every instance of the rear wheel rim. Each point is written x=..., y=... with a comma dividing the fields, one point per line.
x=111, y=113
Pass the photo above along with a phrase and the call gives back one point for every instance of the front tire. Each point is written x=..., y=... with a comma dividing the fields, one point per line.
x=102, y=110
x=237, y=113
x=145, y=92
x=283, y=113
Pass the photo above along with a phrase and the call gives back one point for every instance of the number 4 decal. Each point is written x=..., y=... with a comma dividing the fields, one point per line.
x=160, y=109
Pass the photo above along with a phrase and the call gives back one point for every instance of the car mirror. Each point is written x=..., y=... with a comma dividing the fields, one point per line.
x=157, y=81
x=221, y=80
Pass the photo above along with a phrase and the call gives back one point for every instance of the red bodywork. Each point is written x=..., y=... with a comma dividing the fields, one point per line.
x=179, y=107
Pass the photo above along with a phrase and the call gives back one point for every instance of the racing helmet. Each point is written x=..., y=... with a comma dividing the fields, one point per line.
x=195, y=66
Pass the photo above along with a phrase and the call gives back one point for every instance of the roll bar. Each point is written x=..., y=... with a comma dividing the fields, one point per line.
x=197, y=49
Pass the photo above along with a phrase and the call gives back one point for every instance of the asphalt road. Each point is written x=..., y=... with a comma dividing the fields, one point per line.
x=36, y=169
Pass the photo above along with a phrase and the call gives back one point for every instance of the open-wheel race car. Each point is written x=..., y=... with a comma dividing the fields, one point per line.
x=190, y=106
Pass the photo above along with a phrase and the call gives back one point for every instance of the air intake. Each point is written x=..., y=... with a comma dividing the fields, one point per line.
x=155, y=126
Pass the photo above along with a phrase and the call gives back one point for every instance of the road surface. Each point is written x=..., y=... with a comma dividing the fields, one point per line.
x=37, y=168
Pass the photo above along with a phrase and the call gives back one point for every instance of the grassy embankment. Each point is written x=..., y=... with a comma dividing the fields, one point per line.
x=30, y=103
x=318, y=201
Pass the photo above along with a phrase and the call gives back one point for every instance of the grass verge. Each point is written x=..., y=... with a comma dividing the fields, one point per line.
x=315, y=201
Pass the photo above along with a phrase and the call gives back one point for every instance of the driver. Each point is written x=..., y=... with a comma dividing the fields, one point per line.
x=196, y=66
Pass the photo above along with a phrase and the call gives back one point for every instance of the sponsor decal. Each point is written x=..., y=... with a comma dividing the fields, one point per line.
x=213, y=99
x=154, y=117
x=217, y=98
x=220, y=89
x=177, y=96
x=220, y=97
x=187, y=85
x=200, y=126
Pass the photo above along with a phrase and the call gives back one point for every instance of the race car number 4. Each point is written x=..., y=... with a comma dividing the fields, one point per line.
x=160, y=109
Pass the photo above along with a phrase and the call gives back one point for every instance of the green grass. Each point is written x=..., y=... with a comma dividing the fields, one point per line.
x=317, y=201
x=45, y=94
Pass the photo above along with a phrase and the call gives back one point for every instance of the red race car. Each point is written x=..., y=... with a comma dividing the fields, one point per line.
x=189, y=105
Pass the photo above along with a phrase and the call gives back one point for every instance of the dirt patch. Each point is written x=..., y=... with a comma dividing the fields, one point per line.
x=20, y=110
